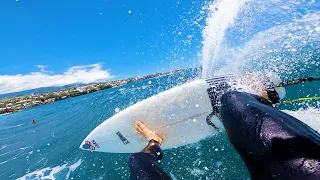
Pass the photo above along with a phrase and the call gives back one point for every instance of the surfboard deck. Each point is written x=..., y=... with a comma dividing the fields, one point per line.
x=178, y=115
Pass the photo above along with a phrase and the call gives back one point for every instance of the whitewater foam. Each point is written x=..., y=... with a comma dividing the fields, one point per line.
x=41, y=174
x=12, y=127
x=309, y=116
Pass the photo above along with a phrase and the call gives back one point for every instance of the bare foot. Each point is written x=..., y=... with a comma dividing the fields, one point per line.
x=146, y=132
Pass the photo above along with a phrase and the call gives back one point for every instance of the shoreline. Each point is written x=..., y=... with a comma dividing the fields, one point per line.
x=46, y=100
x=16, y=104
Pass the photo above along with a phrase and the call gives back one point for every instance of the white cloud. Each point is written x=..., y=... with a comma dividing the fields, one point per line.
x=76, y=74
x=42, y=68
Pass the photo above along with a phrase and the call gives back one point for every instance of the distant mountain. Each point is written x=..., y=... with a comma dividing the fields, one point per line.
x=195, y=70
x=37, y=91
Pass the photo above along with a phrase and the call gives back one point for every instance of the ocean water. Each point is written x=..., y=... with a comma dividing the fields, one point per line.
x=49, y=149
x=239, y=36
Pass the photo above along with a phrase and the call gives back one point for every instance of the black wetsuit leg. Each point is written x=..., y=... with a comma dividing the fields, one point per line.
x=145, y=164
x=273, y=144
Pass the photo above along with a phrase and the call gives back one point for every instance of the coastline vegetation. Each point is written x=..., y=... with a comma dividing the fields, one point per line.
x=23, y=102
x=16, y=104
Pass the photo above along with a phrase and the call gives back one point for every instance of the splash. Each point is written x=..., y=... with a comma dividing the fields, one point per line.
x=42, y=173
x=222, y=15
x=275, y=36
x=287, y=49
x=245, y=36
x=308, y=116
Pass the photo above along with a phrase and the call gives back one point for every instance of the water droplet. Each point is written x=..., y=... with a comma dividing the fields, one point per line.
x=149, y=82
x=194, y=120
x=197, y=105
x=218, y=163
x=129, y=11
x=117, y=110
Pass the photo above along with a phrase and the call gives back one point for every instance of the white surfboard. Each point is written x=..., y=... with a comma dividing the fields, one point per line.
x=179, y=115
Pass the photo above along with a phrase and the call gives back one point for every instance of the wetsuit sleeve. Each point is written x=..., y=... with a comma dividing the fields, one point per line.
x=273, y=144
x=146, y=164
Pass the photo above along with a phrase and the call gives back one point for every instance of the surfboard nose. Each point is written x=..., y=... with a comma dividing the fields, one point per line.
x=87, y=145
x=81, y=146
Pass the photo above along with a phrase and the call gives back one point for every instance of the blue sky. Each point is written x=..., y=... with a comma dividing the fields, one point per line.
x=57, y=42
x=128, y=38
x=113, y=39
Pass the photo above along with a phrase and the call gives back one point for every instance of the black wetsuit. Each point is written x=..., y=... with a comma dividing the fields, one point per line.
x=145, y=165
x=273, y=144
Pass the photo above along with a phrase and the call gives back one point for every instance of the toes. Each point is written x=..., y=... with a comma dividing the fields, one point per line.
x=140, y=127
x=137, y=123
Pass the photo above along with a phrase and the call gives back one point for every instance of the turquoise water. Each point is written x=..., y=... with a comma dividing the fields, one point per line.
x=248, y=38
x=49, y=149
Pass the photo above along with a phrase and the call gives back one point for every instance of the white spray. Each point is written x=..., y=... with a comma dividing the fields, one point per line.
x=222, y=15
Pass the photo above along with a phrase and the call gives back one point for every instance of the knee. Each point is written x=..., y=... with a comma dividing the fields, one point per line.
x=231, y=97
x=233, y=105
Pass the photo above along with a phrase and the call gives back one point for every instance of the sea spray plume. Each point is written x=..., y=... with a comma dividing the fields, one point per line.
x=236, y=44
x=222, y=15
x=289, y=47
